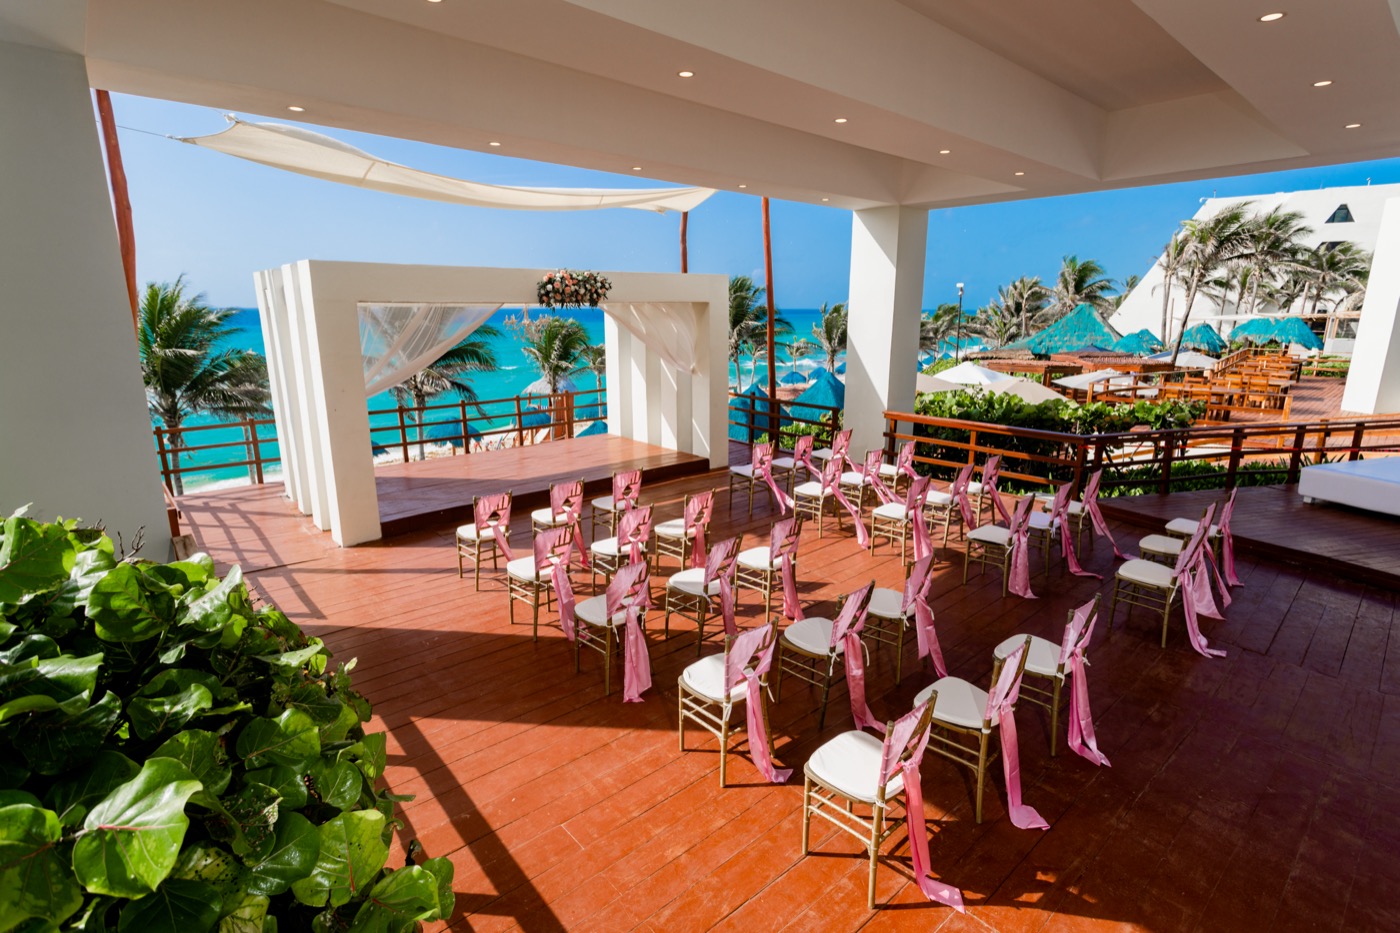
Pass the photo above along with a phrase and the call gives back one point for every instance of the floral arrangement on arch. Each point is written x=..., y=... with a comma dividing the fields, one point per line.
x=570, y=288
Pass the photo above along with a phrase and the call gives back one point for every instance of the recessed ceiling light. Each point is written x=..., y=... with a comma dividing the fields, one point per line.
x=1020, y=173
x=1353, y=126
x=944, y=151
x=296, y=109
x=1272, y=17
x=743, y=186
x=826, y=199
x=840, y=119
x=686, y=74
x=492, y=142
x=1321, y=83
x=434, y=1
x=636, y=168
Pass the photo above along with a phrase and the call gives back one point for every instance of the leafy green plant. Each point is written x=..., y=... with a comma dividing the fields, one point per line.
x=173, y=758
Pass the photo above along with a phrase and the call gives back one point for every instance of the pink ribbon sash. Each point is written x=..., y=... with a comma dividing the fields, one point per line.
x=719, y=568
x=633, y=530
x=1096, y=519
x=564, y=592
x=991, y=470
x=763, y=466
x=802, y=453
x=1020, y=582
x=492, y=513
x=626, y=488
x=566, y=499
x=698, y=509
x=831, y=481
x=959, y=493
x=904, y=463
x=914, y=512
x=1227, y=541
x=902, y=737
x=745, y=648
x=782, y=548
x=845, y=631
x=1001, y=707
x=552, y=549
x=840, y=450
x=1196, y=588
x=916, y=591
x=630, y=593
x=1059, y=523
x=1080, y=629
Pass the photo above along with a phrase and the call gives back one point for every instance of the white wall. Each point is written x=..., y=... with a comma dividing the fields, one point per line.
x=1373, y=383
x=75, y=436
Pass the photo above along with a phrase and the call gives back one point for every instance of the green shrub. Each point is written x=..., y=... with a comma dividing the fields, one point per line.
x=174, y=759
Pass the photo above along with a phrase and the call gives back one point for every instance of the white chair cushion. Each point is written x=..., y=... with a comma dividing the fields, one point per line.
x=821, y=453
x=1074, y=508
x=812, y=635
x=603, y=504
x=808, y=490
x=675, y=528
x=784, y=463
x=1040, y=521
x=692, y=581
x=523, y=568
x=1187, y=527
x=546, y=517
x=1044, y=657
x=852, y=478
x=940, y=499
x=469, y=532
x=743, y=469
x=959, y=702
x=889, y=469
x=593, y=609
x=1161, y=544
x=990, y=534
x=885, y=603
x=850, y=764
x=757, y=558
x=895, y=511
x=974, y=487
x=1146, y=572
x=706, y=677
x=607, y=547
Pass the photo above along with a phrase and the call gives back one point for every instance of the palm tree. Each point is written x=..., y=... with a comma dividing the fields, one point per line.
x=443, y=377
x=1130, y=283
x=1340, y=268
x=1079, y=282
x=829, y=333
x=939, y=327
x=1172, y=260
x=595, y=359
x=184, y=370
x=1212, y=245
x=1275, y=239
x=1026, y=299
x=557, y=346
x=998, y=323
x=748, y=318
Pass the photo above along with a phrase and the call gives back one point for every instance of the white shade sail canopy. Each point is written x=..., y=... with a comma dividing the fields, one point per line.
x=309, y=153
x=669, y=329
x=399, y=339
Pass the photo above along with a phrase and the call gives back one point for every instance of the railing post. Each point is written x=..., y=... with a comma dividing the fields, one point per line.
x=463, y=424
x=257, y=451
x=891, y=428
x=1320, y=455
x=1295, y=461
x=1081, y=453
x=519, y=424
x=1356, y=437
x=1236, y=454
x=403, y=435
x=1164, y=484
x=164, y=457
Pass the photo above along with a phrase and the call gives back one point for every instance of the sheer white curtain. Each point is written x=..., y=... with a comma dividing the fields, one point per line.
x=398, y=339
x=668, y=328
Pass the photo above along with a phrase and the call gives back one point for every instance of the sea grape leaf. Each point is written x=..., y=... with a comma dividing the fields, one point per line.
x=213, y=866
x=313, y=700
x=245, y=821
x=89, y=567
x=336, y=731
x=288, y=783
x=211, y=610
x=352, y=853
x=290, y=739
x=52, y=743
x=397, y=901
x=35, y=880
x=294, y=853
x=177, y=906
x=34, y=558
x=131, y=838
x=71, y=797
x=370, y=753
x=66, y=679
x=170, y=699
x=36, y=703
x=120, y=608
x=30, y=646
x=338, y=783
x=294, y=659
x=247, y=915
x=442, y=871
x=202, y=755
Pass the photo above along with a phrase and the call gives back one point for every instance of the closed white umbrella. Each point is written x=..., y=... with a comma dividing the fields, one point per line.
x=926, y=383
x=970, y=374
x=1189, y=359
x=1032, y=392
x=1084, y=380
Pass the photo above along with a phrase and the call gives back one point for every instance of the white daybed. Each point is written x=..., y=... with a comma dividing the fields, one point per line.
x=1373, y=485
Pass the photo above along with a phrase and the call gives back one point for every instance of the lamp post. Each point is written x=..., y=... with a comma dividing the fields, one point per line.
x=957, y=348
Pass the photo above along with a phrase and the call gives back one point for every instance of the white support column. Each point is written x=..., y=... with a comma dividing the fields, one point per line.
x=75, y=433
x=272, y=312
x=1373, y=383
x=888, y=246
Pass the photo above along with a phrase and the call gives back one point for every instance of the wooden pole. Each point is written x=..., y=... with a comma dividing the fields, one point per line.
x=772, y=315
x=685, y=251
x=121, y=201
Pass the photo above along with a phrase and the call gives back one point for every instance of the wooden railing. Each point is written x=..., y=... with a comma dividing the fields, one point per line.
x=755, y=423
x=1155, y=459
x=255, y=431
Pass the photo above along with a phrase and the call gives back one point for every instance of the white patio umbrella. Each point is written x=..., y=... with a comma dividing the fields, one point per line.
x=1084, y=380
x=541, y=387
x=1189, y=359
x=926, y=383
x=1032, y=392
x=970, y=374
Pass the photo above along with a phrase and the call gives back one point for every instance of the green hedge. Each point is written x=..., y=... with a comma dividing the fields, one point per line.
x=175, y=760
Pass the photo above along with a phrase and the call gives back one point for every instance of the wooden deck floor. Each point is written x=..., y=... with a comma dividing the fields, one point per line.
x=1255, y=792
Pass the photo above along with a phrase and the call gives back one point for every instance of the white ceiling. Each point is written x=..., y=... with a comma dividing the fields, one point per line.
x=1077, y=94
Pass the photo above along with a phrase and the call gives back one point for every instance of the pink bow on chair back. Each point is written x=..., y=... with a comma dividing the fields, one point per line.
x=904, y=462
x=1001, y=704
x=1192, y=569
x=633, y=530
x=762, y=463
x=626, y=488
x=1078, y=631
x=566, y=504
x=1020, y=527
x=802, y=450
x=552, y=549
x=630, y=593
x=698, y=509
x=747, y=660
x=841, y=446
x=902, y=753
x=915, y=600
x=846, y=631
x=991, y=472
x=720, y=568
x=782, y=550
x=492, y=513
x=1227, y=540
x=1096, y=519
x=958, y=490
x=914, y=500
x=831, y=486
x=1059, y=521
x=874, y=460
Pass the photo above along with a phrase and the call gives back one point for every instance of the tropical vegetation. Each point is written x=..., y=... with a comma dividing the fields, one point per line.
x=829, y=333
x=748, y=319
x=175, y=759
x=186, y=368
x=444, y=376
x=557, y=347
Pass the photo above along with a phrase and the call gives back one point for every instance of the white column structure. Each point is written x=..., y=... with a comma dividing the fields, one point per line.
x=75, y=434
x=888, y=246
x=1373, y=383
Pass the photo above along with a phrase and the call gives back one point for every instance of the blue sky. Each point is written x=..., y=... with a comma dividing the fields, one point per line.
x=218, y=219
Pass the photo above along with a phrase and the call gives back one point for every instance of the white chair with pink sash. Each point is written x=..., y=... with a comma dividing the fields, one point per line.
x=856, y=768
x=684, y=538
x=902, y=520
x=838, y=451
x=533, y=575
x=565, y=510
x=1157, y=586
x=1184, y=528
x=1052, y=664
x=1005, y=546
x=901, y=472
x=692, y=592
x=489, y=531
x=964, y=718
x=953, y=507
x=893, y=614
x=629, y=545
x=758, y=472
x=608, y=510
x=785, y=467
x=985, y=490
x=775, y=563
x=859, y=480
x=711, y=687
x=810, y=647
x=616, y=617
x=810, y=499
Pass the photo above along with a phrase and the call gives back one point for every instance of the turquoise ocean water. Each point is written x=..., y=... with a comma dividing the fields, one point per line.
x=515, y=372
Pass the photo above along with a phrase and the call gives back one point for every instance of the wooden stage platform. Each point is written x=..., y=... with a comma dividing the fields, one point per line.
x=1275, y=522
x=423, y=494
